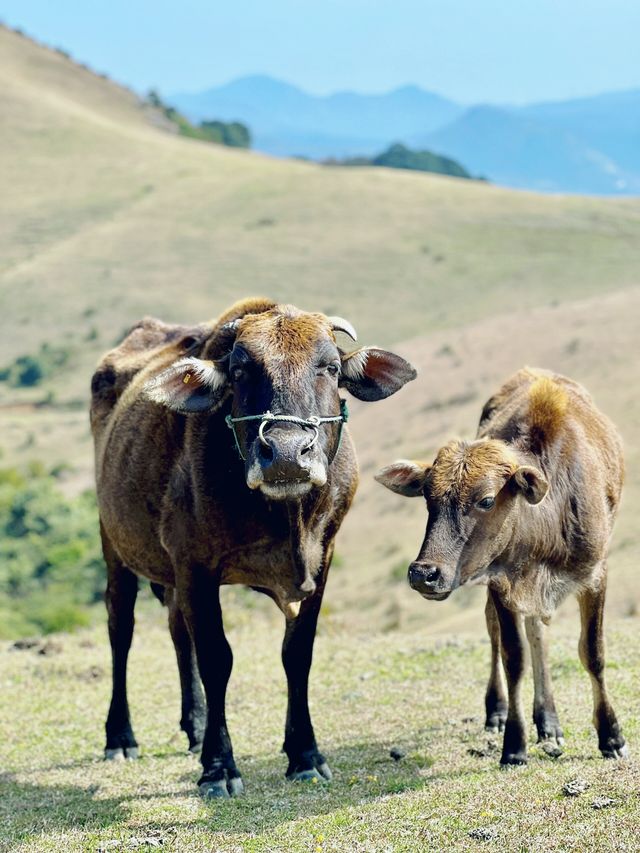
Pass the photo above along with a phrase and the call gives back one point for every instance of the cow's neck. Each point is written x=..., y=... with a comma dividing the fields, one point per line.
x=306, y=548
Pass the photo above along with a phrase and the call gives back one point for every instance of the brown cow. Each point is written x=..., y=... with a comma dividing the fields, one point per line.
x=529, y=508
x=250, y=487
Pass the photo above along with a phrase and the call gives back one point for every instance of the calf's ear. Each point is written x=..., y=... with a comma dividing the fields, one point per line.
x=531, y=482
x=189, y=385
x=372, y=374
x=404, y=477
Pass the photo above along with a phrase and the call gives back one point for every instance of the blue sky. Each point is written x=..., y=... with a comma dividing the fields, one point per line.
x=471, y=50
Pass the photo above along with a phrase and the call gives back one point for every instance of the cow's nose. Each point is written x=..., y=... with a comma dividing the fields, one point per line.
x=285, y=453
x=423, y=576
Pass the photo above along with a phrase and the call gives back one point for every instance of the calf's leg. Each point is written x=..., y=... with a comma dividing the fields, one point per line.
x=592, y=652
x=545, y=716
x=305, y=761
x=495, y=700
x=514, y=745
x=120, y=598
x=198, y=597
x=194, y=709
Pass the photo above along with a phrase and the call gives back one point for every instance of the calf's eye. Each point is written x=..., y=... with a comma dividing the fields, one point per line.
x=486, y=503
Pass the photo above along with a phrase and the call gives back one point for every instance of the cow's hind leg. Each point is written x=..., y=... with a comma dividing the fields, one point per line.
x=194, y=709
x=495, y=699
x=592, y=652
x=198, y=596
x=120, y=598
x=514, y=745
x=305, y=761
x=545, y=715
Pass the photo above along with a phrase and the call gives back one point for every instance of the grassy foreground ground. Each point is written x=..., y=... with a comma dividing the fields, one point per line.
x=419, y=694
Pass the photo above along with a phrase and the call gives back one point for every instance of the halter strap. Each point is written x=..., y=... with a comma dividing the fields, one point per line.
x=312, y=422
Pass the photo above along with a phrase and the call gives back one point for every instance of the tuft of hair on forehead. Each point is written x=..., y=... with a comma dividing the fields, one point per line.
x=284, y=337
x=461, y=465
x=547, y=408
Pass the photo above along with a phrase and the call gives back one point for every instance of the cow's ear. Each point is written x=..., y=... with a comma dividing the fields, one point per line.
x=531, y=482
x=372, y=374
x=189, y=385
x=404, y=477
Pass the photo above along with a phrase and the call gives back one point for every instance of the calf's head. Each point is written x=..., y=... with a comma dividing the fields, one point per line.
x=476, y=494
x=284, y=362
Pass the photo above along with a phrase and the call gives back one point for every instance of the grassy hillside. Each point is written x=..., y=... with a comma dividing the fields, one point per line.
x=107, y=216
x=369, y=693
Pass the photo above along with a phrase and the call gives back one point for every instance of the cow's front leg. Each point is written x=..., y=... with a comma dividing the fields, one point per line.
x=514, y=745
x=198, y=594
x=545, y=715
x=610, y=738
x=305, y=761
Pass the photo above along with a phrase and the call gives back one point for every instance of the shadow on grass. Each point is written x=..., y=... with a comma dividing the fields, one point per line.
x=363, y=773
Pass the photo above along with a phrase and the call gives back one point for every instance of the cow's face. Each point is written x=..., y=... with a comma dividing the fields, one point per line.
x=474, y=494
x=286, y=362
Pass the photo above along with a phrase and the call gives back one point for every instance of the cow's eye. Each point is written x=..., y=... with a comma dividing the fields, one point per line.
x=486, y=503
x=330, y=369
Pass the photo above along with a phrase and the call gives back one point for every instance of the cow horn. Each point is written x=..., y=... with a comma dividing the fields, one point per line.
x=339, y=324
x=231, y=326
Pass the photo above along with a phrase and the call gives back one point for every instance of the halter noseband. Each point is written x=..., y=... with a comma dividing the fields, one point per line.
x=312, y=422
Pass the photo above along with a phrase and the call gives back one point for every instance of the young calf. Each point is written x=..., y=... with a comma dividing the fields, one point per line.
x=529, y=508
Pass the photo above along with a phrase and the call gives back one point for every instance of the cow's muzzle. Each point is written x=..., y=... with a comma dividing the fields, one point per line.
x=290, y=454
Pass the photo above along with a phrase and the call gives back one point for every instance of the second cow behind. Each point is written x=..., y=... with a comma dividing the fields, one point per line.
x=529, y=508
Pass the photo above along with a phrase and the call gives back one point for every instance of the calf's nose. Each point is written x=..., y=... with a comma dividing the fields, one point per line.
x=423, y=576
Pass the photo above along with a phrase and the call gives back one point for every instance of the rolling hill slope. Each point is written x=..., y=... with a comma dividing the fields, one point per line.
x=107, y=216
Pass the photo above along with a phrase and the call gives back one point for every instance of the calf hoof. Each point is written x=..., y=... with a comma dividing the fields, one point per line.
x=551, y=740
x=550, y=735
x=310, y=767
x=221, y=788
x=513, y=759
x=615, y=748
x=122, y=753
x=495, y=722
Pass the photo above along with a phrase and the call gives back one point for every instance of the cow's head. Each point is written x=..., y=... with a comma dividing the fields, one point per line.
x=283, y=361
x=475, y=495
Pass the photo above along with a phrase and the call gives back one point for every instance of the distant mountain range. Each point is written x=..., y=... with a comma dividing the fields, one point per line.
x=585, y=145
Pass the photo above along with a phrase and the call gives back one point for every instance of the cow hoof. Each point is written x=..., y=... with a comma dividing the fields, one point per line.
x=216, y=789
x=221, y=789
x=311, y=775
x=121, y=753
x=513, y=759
x=319, y=773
